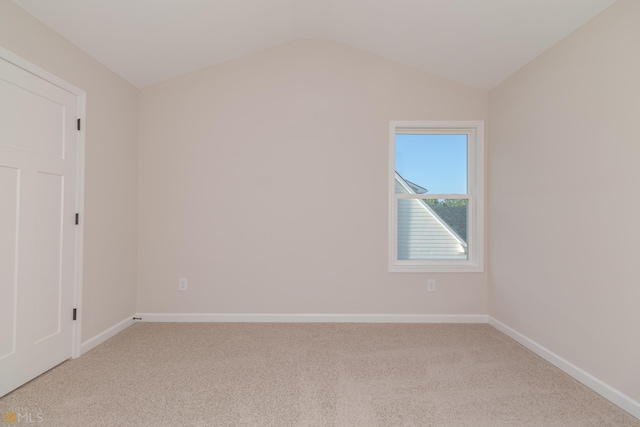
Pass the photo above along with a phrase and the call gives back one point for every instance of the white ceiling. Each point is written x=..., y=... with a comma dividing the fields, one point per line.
x=475, y=42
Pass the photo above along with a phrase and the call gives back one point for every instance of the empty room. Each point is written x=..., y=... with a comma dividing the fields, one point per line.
x=319, y=213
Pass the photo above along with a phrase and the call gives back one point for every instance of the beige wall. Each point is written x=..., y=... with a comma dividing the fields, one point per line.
x=264, y=182
x=564, y=166
x=111, y=166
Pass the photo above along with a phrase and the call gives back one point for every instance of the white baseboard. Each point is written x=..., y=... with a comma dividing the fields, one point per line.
x=103, y=336
x=605, y=390
x=313, y=318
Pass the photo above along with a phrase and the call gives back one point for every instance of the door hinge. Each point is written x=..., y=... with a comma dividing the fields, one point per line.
x=77, y=218
x=75, y=313
x=78, y=124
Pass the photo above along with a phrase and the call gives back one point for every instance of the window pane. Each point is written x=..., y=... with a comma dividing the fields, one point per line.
x=432, y=229
x=431, y=163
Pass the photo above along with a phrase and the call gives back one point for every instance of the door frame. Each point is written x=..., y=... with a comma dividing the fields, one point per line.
x=81, y=96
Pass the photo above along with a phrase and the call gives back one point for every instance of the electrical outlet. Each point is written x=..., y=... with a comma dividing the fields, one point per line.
x=431, y=285
x=182, y=284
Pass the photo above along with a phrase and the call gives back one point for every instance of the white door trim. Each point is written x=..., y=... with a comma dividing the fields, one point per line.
x=31, y=68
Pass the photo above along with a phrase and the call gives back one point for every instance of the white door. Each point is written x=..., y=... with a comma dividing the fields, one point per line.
x=38, y=172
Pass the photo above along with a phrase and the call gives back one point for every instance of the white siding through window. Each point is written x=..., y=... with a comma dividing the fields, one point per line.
x=421, y=233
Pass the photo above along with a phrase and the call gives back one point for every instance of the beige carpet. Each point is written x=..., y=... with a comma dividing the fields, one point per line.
x=243, y=374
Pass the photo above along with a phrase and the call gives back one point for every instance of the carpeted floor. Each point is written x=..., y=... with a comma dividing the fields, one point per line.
x=279, y=374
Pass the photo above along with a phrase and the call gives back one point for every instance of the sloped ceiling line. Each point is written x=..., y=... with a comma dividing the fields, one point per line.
x=478, y=43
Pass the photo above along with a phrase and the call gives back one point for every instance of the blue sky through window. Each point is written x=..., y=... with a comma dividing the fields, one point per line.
x=435, y=162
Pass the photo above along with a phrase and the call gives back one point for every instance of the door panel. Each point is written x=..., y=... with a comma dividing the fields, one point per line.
x=8, y=254
x=48, y=268
x=22, y=133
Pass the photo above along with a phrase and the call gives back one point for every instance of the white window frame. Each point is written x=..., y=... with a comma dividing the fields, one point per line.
x=475, y=196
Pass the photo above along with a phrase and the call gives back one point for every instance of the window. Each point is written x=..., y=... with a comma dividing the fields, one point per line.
x=436, y=196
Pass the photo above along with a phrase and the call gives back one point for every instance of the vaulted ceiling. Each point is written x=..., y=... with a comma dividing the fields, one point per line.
x=475, y=42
